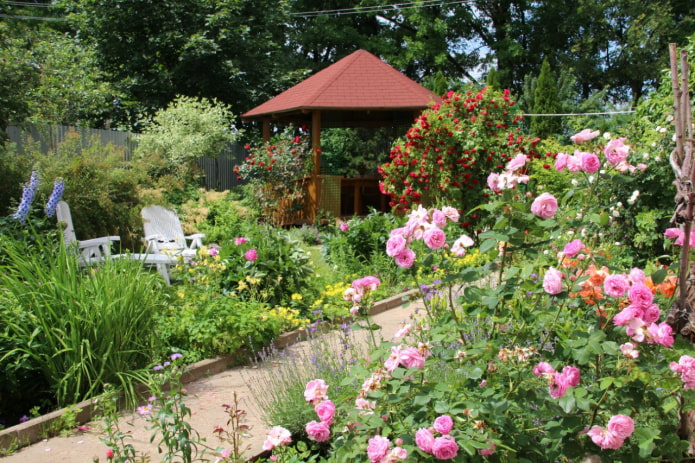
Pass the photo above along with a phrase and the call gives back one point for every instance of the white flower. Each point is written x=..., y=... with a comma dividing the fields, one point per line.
x=645, y=156
x=575, y=182
x=591, y=179
x=633, y=198
x=607, y=135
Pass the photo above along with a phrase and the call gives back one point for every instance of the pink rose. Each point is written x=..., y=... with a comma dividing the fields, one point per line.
x=377, y=448
x=559, y=387
x=616, y=285
x=616, y=151
x=396, y=453
x=434, y=238
x=660, y=334
x=584, y=135
x=443, y=424
x=574, y=162
x=395, y=245
x=552, y=281
x=277, y=436
x=405, y=258
x=590, y=163
x=628, y=313
x=424, y=440
x=517, y=163
x=410, y=357
x=573, y=248
x=318, y=430
x=370, y=283
x=316, y=390
x=544, y=206
x=637, y=275
x=251, y=255
x=459, y=247
x=572, y=375
x=239, y=241
x=629, y=351
x=544, y=369
x=438, y=218
x=451, y=213
x=392, y=362
x=444, y=448
x=640, y=295
x=493, y=182
x=604, y=438
x=651, y=314
x=561, y=161
x=686, y=368
x=488, y=451
x=344, y=226
x=621, y=425
x=325, y=411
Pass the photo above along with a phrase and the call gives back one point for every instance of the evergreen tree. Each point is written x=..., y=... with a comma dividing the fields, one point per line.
x=545, y=101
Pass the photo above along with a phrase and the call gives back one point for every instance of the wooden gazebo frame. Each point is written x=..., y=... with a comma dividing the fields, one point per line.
x=359, y=90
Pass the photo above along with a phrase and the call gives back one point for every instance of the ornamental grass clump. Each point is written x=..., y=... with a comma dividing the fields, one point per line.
x=549, y=350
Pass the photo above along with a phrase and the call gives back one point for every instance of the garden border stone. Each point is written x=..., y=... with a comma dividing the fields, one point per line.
x=38, y=428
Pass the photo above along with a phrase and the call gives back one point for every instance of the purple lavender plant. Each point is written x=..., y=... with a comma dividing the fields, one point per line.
x=58, y=188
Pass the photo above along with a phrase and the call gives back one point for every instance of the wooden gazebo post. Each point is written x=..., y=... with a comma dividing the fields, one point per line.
x=315, y=182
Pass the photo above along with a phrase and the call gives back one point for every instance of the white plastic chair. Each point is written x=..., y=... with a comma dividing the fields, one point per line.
x=98, y=249
x=89, y=249
x=164, y=233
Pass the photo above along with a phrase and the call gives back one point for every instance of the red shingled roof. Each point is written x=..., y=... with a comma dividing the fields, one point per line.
x=360, y=81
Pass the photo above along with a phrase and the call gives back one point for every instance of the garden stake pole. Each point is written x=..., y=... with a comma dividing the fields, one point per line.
x=680, y=314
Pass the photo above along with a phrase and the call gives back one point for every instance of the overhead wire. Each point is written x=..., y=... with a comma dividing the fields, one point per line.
x=377, y=8
x=35, y=18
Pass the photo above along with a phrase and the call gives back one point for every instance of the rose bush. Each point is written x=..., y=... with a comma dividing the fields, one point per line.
x=547, y=351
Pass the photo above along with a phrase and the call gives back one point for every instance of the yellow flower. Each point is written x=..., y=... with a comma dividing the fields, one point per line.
x=242, y=286
x=296, y=297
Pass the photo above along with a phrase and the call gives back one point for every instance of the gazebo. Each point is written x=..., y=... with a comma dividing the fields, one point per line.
x=360, y=90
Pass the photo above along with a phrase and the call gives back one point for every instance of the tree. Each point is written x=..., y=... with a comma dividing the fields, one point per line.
x=18, y=76
x=545, y=102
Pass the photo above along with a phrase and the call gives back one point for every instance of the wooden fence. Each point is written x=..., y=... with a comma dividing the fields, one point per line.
x=218, y=171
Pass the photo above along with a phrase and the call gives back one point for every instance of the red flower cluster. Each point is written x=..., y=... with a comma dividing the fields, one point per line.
x=451, y=148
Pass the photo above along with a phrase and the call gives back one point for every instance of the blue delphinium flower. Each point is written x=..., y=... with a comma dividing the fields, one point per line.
x=58, y=188
x=28, y=192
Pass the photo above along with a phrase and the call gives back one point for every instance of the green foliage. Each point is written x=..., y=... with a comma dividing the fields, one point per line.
x=354, y=152
x=100, y=334
x=226, y=219
x=450, y=150
x=545, y=101
x=187, y=129
x=18, y=77
x=278, y=172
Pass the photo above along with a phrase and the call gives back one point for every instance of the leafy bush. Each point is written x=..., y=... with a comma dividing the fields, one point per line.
x=452, y=147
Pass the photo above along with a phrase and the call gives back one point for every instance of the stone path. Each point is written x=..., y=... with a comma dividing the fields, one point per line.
x=206, y=396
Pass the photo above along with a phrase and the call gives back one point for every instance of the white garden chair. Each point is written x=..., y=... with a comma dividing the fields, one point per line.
x=164, y=233
x=97, y=249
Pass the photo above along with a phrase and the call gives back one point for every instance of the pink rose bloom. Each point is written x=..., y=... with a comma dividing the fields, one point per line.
x=552, y=281
x=213, y=251
x=393, y=361
x=686, y=368
x=325, y=411
x=584, y=135
x=277, y=435
x=451, y=213
x=438, y=218
x=605, y=438
x=629, y=351
x=364, y=404
x=251, y=255
x=405, y=258
x=443, y=424
x=660, y=334
x=642, y=167
x=561, y=161
x=636, y=329
x=628, y=313
x=460, y=245
x=637, y=276
x=488, y=451
x=239, y=241
x=544, y=206
x=434, y=238
x=621, y=425
x=403, y=331
x=410, y=357
x=559, y=387
x=424, y=440
x=318, y=430
x=316, y=390
x=226, y=453
x=616, y=285
x=574, y=162
x=640, y=295
x=651, y=314
x=517, y=163
x=369, y=283
x=590, y=163
x=573, y=248
x=395, y=245
x=444, y=448
x=344, y=226
x=493, y=182
x=377, y=448
x=396, y=454
x=616, y=151
x=572, y=375
x=544, y=369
